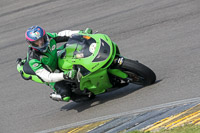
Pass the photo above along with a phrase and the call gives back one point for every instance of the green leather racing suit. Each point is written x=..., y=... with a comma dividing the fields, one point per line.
x=45, y=64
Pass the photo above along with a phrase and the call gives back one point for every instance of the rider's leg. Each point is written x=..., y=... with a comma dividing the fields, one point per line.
x=63, y=89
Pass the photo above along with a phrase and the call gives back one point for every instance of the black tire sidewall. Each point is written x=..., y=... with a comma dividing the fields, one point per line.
x=140, y=70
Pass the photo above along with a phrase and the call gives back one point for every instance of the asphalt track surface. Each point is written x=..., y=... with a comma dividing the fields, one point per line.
x=162, y=34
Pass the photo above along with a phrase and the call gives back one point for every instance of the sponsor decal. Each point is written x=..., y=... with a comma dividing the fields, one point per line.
x=37, y=34
x=53, y=47
x=35, y=65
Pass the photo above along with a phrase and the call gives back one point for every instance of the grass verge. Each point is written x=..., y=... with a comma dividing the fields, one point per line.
x=183, y=129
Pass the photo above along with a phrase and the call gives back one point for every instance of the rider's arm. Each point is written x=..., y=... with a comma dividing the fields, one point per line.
x=49, y=77
x=62, y=36
x=43, y=73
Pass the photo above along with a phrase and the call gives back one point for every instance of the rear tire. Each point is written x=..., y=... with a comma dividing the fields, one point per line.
x=138, y=73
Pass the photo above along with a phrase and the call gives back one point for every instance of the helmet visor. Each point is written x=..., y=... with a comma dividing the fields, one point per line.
x=40, y=44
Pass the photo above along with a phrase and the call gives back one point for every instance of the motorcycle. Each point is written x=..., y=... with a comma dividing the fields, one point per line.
x=99, y=64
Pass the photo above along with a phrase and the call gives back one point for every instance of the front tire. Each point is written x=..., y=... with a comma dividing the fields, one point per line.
x=138, y=73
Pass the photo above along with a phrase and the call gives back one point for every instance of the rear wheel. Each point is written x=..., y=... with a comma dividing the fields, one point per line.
x=138, y=73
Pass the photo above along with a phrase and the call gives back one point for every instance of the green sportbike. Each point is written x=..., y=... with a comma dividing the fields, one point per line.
x=100, y=66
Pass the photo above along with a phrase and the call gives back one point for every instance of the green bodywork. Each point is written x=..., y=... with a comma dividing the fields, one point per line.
x=97, y=81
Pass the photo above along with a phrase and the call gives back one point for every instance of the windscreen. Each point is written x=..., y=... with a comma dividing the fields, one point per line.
x=80, y=46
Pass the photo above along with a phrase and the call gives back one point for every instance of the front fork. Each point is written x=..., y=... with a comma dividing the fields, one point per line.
x=117, y=77
x=118, y=61
x=115, y=69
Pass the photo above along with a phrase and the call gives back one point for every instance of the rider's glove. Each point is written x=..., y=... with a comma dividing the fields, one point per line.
x=68, y=33
x=88, y=31
x=69, y=74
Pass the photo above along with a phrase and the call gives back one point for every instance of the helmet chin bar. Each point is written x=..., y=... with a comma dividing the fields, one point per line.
x=46, y=38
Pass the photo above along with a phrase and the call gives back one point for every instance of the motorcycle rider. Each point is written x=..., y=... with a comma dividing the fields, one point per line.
x=42, y=58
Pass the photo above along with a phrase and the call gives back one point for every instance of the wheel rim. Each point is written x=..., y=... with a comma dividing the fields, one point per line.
x=135, y=78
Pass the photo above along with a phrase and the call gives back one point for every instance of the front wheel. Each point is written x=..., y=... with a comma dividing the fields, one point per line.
x=138, y=73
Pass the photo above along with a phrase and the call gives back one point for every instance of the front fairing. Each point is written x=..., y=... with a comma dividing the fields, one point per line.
x=91, y=51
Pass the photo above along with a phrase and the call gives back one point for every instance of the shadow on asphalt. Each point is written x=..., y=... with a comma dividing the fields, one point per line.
x=102, y=98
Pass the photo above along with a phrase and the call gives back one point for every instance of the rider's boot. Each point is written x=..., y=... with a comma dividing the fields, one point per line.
x=58, y=97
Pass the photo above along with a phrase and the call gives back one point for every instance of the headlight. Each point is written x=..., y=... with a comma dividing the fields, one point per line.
x=92, y=47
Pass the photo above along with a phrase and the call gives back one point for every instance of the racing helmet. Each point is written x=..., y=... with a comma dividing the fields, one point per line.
x=35, y=33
